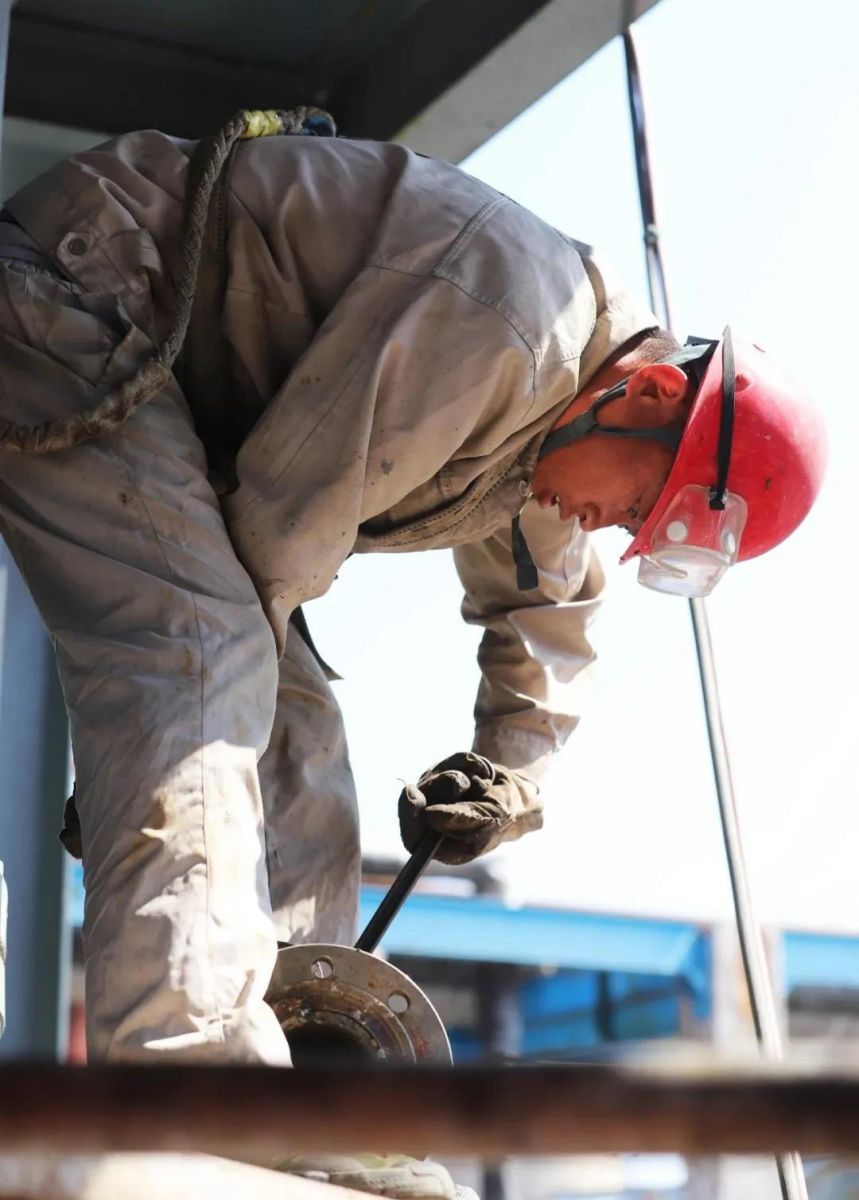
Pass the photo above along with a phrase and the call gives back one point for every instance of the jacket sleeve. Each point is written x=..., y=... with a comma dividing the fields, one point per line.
x=534, y=657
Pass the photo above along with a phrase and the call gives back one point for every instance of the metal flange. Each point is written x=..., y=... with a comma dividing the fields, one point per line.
x=335, y=1003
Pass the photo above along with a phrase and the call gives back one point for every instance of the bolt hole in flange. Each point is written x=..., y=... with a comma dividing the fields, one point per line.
x=398, y=1002
x=322, y=968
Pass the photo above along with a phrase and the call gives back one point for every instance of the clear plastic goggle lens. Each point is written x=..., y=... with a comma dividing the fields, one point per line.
x=693, y=544
x=691, y=572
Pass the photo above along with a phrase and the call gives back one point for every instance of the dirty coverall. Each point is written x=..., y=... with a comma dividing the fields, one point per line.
x=400, y=339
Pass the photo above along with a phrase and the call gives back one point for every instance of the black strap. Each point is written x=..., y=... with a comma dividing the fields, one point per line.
x=726, y=422
x=526, y=571
x=298, y=621
x=670, y=435
x=693, y=357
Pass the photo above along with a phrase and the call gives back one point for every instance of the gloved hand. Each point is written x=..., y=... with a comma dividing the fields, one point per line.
x=474, y=803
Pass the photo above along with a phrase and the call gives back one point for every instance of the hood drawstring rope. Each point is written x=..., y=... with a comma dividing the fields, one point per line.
x=116, y=406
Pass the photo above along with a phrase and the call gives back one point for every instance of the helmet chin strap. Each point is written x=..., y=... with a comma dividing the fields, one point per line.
x=726, y=422
x=694, y=351
x=693, y=357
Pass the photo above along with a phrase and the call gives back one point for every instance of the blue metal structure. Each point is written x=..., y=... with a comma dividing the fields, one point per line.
x=820, y=960
x=582, y=979
x=33, y=751
x=585, y=978
x=34, y=754
x=485, y=929
x=594, y=977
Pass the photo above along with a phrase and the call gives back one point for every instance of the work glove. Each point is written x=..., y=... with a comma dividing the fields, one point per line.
x=474, y=803
x=70, y=835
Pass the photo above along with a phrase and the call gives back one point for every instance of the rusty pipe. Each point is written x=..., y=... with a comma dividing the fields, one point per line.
x=487, y=1111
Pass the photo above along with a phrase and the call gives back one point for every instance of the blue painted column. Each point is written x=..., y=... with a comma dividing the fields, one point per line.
x=33, y=773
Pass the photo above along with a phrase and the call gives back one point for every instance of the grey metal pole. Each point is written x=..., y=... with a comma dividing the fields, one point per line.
x=761, y=994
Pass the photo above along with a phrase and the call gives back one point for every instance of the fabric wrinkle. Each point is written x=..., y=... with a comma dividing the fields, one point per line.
x=123, y=609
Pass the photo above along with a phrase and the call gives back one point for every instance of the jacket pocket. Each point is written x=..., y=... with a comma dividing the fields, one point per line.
x=88, y=333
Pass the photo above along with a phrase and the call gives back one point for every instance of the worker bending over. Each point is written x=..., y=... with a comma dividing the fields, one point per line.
x=385, y=355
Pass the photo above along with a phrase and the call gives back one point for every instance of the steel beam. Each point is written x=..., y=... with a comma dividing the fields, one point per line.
x=444, y=74
x=96, y=79
x=464, y=112
x=425, y=57
x=491, y=1111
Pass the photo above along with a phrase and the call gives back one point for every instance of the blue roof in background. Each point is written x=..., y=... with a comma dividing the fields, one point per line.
x=485, y=929
x=820, y=960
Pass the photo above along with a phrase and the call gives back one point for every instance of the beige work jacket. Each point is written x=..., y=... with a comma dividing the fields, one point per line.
x=403, y=338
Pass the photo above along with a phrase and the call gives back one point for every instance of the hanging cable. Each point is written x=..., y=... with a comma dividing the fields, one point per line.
x=758, y=981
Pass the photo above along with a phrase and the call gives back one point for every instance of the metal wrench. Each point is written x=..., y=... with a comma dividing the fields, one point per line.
x=393, y=900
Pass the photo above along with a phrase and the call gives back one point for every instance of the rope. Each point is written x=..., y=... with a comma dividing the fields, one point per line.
x=791, y=1176
x=116, y=406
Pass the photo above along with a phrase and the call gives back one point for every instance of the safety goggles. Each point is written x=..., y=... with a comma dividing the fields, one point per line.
x=698, y=536
x=693, y=543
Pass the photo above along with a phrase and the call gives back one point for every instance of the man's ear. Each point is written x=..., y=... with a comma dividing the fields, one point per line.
x=659, y=387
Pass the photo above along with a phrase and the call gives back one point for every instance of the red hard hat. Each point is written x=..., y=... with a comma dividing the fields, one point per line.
x=777, y=451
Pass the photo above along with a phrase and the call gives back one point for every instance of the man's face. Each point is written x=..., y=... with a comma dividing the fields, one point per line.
x=607, y=480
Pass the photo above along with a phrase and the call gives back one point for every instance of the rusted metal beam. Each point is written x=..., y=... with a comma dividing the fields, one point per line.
x=493, y=1111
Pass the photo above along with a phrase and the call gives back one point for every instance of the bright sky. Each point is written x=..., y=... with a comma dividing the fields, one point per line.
x=752, y=114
